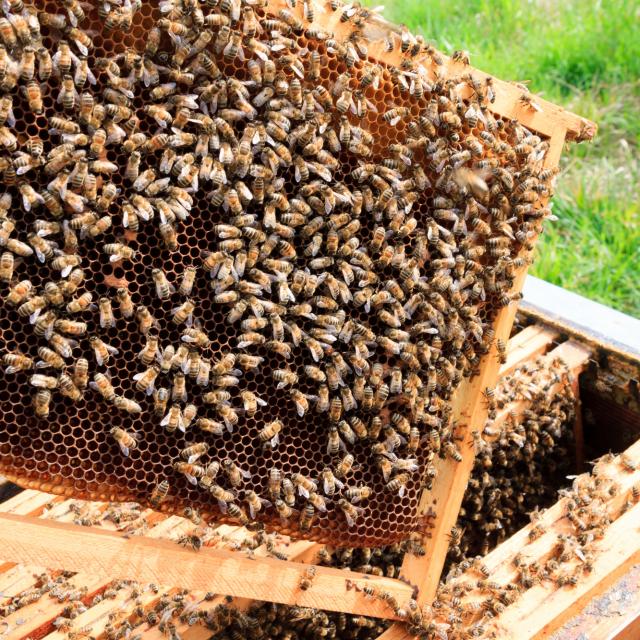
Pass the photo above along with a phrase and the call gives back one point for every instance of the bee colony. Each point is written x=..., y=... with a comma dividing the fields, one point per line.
x=245, y=265
x=557, y=553
x=521, y=463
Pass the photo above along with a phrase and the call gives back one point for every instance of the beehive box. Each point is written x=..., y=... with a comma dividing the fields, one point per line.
x=389, y=262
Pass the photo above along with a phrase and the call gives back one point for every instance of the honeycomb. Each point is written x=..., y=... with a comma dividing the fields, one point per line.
x=461, y=201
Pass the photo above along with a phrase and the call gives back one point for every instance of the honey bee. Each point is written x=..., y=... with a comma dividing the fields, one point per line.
x=306, y=517
x=255, y=503
x=184, y=312
x=102, y=384
x=159, y=494
x=16, y=362
x=68, y=388
x=125, y=303
x=33, y=94
x=49, y=358
x=126, y=440
x=269, y=434
x=285, y=378
x=284, y=510
x=398, y=484
x=304, y=484
x=251, y=402
x=107, y=319
x=80, y=374
x=41, y=403
x=117, y=251
x=6, y=266
x=102, y=350
x=501, y=349
x=32, y=308
x=234, y=473
x=307, y=578
x=351, y=512
x=190, y=471
x=163, y=288
x=188, y=280
x=195, y=451
x=179, y=390
x=145, y=320
x=145, y=381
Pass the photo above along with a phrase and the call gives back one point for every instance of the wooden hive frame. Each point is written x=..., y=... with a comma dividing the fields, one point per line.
x=267, y=579
x=101, y=554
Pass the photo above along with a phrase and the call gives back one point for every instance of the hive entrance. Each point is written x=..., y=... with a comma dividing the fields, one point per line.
x=426, y=206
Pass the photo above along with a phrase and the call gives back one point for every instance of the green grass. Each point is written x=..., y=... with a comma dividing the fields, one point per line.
x=585, y=56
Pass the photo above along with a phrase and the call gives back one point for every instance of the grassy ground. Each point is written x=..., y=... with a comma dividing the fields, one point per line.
x=584, y=55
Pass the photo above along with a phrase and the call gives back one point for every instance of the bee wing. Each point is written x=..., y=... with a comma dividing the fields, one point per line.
x=265, y=502
x=111, y=350
x=303, y=492
x=350, y=520
x=125, y=450
x=339, y=484
x=252, y=511
x=82, y=49
x=34, y=316
x=223, y=506
x=191, y=478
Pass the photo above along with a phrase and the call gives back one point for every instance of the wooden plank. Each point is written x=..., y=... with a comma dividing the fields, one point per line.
x=16, y=580
x=574, y=314
x=536, y=341
x=578, y=430
x=100, y=552
x=28, y=502
x=470, y=412
x=614, y=615
x=37, y=618
x=544, y=607
x=96, y=618
x=547, y=121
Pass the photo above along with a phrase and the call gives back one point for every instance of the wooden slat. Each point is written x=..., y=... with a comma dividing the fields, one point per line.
x=470, y=411
x=28, y=503
x=99, y=552
x=499, y=560
x=544, y=607
x=573, y=354
x=16, y=580
x=525, y=345
x=547, y=121
x=36, y=619
x=613, y=615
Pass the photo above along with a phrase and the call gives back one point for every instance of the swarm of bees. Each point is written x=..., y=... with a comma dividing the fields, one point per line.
x=358, y=280
x=519, y=464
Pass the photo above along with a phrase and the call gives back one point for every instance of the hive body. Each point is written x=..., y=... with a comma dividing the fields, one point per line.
x=445, y=191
